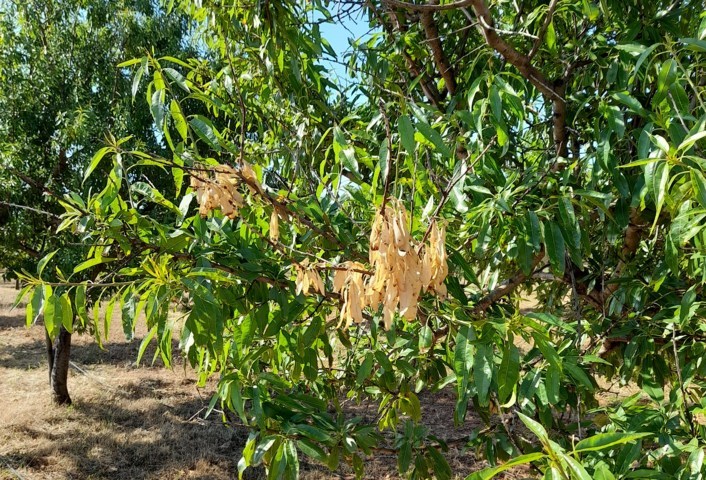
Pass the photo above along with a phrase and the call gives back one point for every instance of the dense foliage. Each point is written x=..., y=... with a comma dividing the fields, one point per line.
x=61, y=93
x=560, y=146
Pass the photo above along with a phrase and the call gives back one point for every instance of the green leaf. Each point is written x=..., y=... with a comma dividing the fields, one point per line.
x=551, y=36
x=695, y=44
x=667, y=75
x=554, y=242
x=552, y=320
x=463, y=362
x=92, y=262
x=691, y=140
x=496, y=103
x=483, y=371
x=698, y=184
x=631, y=102
x=177, y=78
x=96, y=160
x=43, y=262
x=52, y=316
x=80, y=303
x=643, y=57
x=641, y=162
x=67, y=314
x=136, y=82
x=425, y=337
x=312, y=450
x=178, y=118
x=365, y=369
x=552, y=384
x=590, y=10
x=204, y=129
x=602, y=441
x=35, y=307
x=489, y=473
x=695, y=461
x=534, y=230
x=579, y=375
x=157, y=108
x=536, y=428
x=129, y=63
x=406, y=129
x=509, y=372
x=145, y=342
x=578, y=471
x=292, y=459
x=344, y=153
x=434, y=137
x=265, y=444
x=567, y=217
x=154, y=195
x=440, y=467
x=659, y=188
x=314, y=433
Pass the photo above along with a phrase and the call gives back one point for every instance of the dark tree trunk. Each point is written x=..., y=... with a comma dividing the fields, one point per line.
x=58, y=355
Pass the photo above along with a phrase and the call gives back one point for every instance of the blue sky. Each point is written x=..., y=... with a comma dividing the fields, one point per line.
x=338, y=35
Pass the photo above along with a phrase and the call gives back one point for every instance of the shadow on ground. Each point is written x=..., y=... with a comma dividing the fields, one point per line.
x=110, y=442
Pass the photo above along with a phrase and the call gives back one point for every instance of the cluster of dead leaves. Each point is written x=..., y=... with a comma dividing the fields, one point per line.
x=401, y=269
x=308, y=279
x=218, y=188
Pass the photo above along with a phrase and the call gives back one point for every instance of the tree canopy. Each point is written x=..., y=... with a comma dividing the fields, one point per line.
x=61, y=93
x=377, y=242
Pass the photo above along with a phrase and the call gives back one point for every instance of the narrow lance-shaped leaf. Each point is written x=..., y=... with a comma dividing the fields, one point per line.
x=556, y=250
x=698, y=183
x=509, y=372
x=406, y=129
x=204, y=130
x=483, y=371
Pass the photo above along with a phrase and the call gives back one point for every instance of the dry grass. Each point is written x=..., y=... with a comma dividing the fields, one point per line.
x=145, y=422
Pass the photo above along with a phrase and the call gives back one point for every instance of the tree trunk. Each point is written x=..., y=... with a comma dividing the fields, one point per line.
x=58, y=355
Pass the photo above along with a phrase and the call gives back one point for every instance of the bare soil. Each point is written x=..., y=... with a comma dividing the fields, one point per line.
x=142, y=422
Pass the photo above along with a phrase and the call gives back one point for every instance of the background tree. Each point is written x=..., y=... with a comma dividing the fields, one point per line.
x=61, y=92
x=558, y=144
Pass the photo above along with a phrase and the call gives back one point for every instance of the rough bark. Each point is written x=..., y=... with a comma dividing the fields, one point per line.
x=58, y=356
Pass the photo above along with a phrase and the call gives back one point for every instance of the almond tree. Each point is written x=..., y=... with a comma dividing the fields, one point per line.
x=376, y=242
x=61, y=93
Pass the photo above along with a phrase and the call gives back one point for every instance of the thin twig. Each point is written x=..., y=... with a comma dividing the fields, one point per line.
x=450, y=186
x=543, y=30
x=428, y=7
x=31, y=209
x=388, y=171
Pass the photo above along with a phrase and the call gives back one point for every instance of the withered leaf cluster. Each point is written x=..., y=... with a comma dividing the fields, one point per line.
x=217, y=188
x=308, y=279
x=401, y=269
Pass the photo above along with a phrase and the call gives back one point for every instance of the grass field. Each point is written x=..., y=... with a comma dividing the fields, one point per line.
x=146, y=422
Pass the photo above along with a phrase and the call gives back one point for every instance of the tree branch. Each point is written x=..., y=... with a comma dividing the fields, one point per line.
x=428, y=86
x=429, y=7
x=552, y=93
x=503, y=290
x=432, y=33
x=31, y=209
x=543, y=30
